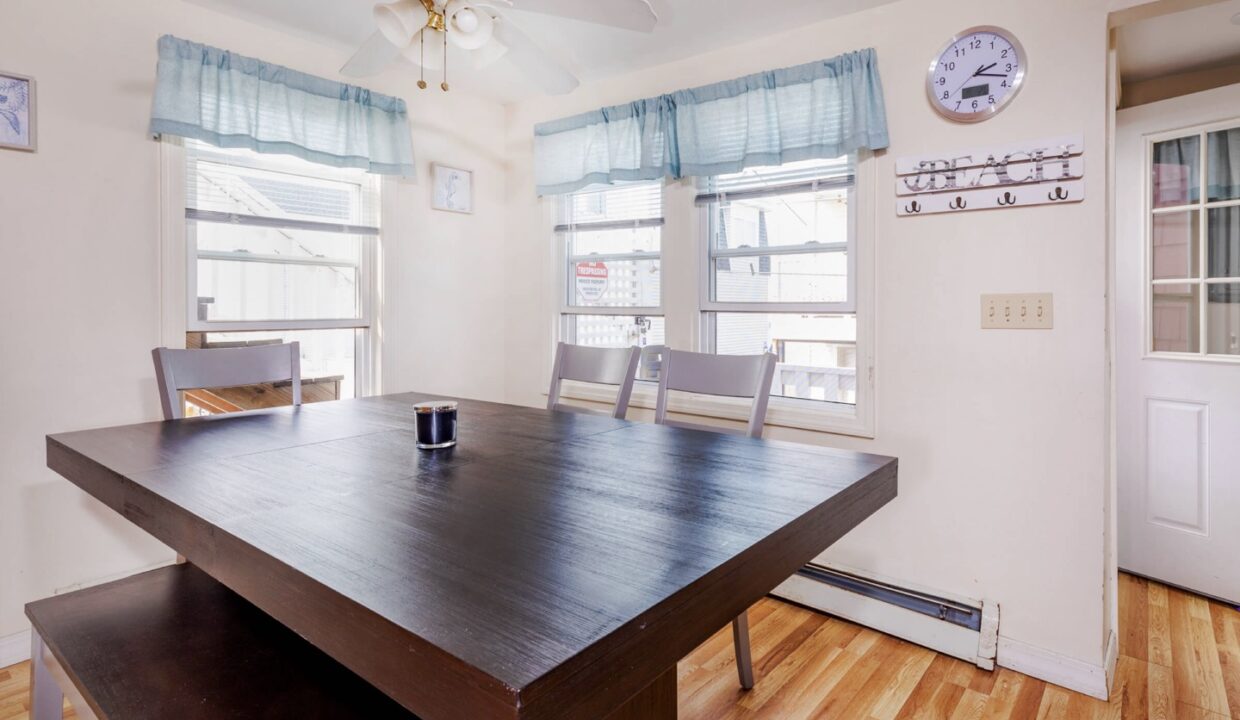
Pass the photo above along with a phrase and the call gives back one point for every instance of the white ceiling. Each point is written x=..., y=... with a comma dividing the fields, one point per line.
x=1180, y=41
x=686, y=28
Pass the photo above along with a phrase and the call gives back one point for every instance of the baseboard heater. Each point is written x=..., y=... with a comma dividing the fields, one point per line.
x=960, y=627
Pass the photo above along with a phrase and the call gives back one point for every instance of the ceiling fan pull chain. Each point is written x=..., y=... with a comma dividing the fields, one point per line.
x=444, y=84
x=422, y=64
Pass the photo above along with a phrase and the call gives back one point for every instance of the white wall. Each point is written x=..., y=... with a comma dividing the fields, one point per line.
x=1001, y=435
x=80, y=299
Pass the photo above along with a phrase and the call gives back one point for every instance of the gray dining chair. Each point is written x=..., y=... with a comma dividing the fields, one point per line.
x=602, y=366
x=199, y=369
x=741, y=376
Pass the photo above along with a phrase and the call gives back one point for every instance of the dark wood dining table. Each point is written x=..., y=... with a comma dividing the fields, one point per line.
x=551, y=565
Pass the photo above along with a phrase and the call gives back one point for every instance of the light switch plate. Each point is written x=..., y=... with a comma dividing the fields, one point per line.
x=1032, y=311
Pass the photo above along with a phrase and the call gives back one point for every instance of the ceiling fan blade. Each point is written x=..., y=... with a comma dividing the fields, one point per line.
x=532, y=60
x=628, y=14
x=372, y=57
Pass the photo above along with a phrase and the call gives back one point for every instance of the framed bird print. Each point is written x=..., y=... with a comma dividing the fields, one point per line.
x=453, y=189
x=17, y=117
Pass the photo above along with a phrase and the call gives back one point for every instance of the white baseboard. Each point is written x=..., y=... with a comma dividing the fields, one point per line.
x=14, y=648
x=1054, y=668
x=971, y=646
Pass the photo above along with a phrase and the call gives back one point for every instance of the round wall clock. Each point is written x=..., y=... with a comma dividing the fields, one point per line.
x=977, y=74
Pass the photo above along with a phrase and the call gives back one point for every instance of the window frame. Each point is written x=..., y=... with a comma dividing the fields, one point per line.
x=178, y=276
x=685, y=311
x=709, y=253
x=824, y=416
x=562, y=232
x=1201, y=206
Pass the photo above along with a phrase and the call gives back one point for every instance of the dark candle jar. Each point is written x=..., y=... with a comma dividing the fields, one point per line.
x=435, y=424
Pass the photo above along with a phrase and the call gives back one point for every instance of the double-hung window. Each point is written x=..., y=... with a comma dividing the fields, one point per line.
x=611, y=246
x=778, y=268
x=779, y=274
x=278, y=250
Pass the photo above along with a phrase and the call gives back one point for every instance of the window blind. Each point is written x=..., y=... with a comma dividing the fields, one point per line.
x=755, y=183
x=819, y=110
x=229, y=100
x=635, y=205
x=231, y=186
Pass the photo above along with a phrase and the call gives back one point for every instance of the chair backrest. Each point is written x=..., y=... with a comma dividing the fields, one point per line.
x=747, y=376
x=604, y=366
x=178, y=370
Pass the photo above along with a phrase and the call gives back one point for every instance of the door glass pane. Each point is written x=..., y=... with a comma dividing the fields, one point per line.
x=1176, y=171
x=799, y=278
x=1223, y=165
x=1176, y=318
x=1224, y=247
x=1175, y=245
x=1223, y=319
x=817, y=353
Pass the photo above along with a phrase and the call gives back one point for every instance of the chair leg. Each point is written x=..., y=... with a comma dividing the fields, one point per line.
x=740, y=638
x=46, y=699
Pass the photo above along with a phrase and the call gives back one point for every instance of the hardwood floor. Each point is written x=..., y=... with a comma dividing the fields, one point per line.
x=1179, y=658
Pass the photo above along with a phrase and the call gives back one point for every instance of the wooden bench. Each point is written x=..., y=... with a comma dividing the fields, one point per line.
x=174, y=643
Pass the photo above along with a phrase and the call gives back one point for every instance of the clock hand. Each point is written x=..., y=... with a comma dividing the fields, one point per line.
x=982, y=70
x=990, y=75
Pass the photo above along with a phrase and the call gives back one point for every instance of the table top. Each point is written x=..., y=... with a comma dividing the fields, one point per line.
x=550, y=565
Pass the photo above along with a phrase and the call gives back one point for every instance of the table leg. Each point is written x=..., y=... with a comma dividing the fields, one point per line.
x=656, y=702
x=46, y=700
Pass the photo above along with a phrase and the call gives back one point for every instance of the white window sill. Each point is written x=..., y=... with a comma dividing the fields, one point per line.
x=823, y=417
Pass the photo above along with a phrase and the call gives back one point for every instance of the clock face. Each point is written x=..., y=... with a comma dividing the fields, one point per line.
x=976, y=75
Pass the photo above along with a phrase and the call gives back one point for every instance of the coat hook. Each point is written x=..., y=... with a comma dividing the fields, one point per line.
x=1007, y=199
x=913, y=207
x=1057, y=194
x=958, y=204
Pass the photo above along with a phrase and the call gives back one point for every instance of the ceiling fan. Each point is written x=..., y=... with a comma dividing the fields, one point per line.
x=423, y=30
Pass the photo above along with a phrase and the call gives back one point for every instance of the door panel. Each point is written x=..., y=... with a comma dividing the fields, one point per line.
x=1176, y=482
x=1177, y=341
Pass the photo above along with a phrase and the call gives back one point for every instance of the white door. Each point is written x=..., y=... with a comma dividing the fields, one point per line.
x=1177, y=340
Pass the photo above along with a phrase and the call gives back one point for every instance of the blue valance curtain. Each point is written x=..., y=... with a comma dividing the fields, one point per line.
x=230, y=100
x=822, y=109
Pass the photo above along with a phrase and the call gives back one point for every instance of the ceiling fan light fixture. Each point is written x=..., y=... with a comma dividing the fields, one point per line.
x=465, y=21
x=400, y=21
x=469, y=27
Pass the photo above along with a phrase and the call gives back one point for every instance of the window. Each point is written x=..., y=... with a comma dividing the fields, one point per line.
x=765, y=260
x=281, y=250
x=611, y=242
x=1194, y=244
x=779, y=274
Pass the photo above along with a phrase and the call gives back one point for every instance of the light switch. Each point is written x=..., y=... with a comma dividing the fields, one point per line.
x=1034, y=311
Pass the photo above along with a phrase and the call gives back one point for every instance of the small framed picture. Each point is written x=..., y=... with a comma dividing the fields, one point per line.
x=453, y=189
x=17, y=121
